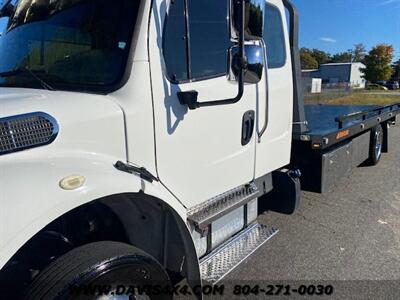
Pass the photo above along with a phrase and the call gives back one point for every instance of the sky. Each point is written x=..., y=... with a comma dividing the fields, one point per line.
x=336, y=25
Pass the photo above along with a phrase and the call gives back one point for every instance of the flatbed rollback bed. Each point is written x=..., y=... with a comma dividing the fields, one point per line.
x=145, y=156
x=339, y=138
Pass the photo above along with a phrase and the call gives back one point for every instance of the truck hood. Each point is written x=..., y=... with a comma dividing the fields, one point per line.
x=88, y=123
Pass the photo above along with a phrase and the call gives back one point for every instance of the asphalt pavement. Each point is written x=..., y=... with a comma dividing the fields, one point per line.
x=348, y=238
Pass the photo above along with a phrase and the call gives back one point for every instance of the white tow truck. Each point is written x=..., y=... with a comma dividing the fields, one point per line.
x=140, y=140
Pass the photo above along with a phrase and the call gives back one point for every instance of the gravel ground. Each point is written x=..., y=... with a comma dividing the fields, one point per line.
x=349, y=237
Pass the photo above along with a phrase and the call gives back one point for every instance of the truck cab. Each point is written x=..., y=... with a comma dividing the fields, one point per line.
x=141, y=133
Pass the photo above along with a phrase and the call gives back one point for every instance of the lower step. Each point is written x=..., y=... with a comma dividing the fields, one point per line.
x=225, y=258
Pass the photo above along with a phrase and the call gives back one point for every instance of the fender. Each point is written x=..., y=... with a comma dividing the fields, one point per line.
x=31, y=196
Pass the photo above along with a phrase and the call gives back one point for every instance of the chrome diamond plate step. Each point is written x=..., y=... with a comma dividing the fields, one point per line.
x=224, y=259
x=207, y=212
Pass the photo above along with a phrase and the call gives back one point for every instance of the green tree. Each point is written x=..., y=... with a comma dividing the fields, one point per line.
x=320, y=56
x=378, y=63
x=307, y=60
x=342, y=57
x=396, y=70
x=358, y=53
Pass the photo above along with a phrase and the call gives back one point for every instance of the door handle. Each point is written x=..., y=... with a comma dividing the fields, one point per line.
x=247, y=126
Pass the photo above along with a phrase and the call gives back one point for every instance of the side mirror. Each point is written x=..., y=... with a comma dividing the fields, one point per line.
x=255, y=63
x=253, y=19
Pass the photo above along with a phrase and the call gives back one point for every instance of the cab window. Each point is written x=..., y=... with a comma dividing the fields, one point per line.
x=196, y=40
x=274, y=37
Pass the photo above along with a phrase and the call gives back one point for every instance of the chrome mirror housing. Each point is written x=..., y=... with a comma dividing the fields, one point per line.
x=254, y=65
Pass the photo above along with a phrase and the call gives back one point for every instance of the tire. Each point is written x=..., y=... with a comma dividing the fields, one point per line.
x=118, y=267
x=375, y=149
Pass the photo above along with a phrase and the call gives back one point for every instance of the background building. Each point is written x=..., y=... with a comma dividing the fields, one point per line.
x=348, y=75
x=345, y=73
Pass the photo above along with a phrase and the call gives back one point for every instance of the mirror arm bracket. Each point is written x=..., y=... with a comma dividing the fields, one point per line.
x=189, y=98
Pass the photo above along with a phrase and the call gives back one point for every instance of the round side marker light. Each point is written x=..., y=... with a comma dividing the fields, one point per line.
x=72, y=182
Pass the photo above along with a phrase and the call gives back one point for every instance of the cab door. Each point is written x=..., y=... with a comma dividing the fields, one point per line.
x=273, y=149
x=200, y=153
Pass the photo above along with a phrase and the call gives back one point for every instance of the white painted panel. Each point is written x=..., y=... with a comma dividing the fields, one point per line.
x=136, y=102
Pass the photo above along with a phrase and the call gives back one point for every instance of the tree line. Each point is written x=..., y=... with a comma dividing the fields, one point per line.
x=379, y=65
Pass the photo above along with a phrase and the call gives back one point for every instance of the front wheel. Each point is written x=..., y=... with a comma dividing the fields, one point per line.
x=102, y=271
x=375, y=150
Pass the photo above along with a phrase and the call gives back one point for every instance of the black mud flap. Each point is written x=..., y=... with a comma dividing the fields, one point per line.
x=386, y=139
x=285, y=196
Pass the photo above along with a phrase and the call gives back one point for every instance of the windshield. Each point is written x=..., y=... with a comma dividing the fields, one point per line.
x=70, y=44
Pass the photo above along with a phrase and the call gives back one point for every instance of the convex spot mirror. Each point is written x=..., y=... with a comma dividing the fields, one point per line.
x=253, y=19
x=254, y=66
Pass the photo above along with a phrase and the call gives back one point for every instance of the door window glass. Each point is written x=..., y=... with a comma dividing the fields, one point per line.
x=196, y=47
x=174, y=42
x=274, y=37
x=209, y=37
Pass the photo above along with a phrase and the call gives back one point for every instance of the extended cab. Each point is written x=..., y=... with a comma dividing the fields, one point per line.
x=140, y=140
